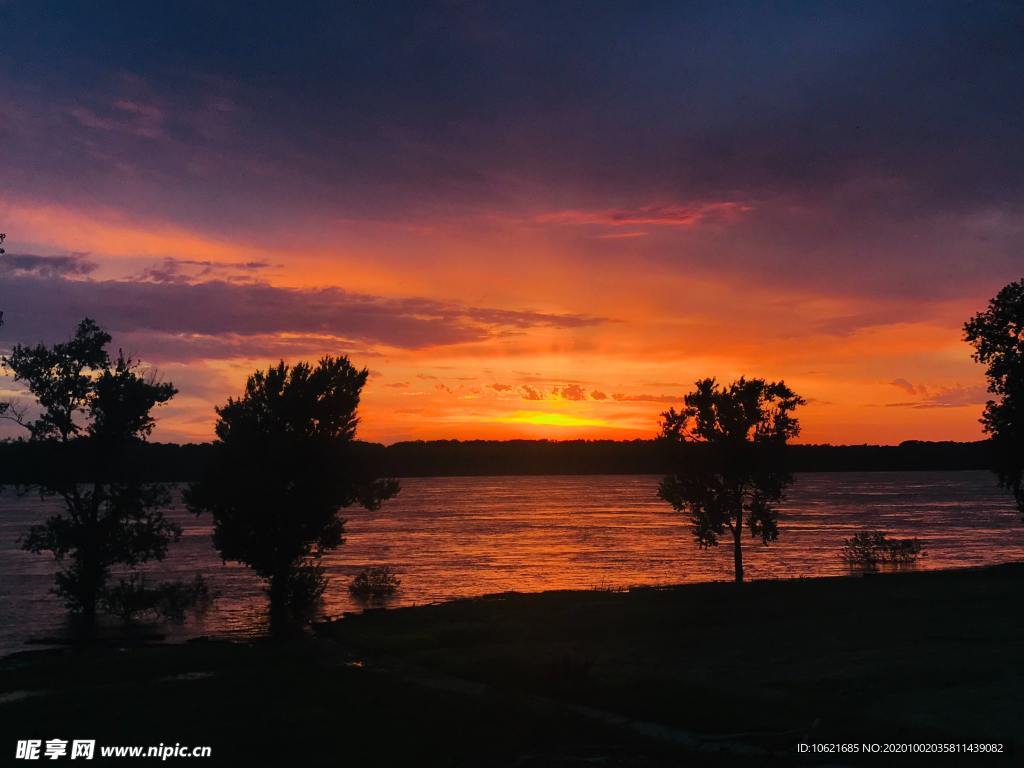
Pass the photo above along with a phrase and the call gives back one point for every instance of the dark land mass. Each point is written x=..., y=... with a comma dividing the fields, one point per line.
x=22, y=461
x=907, y=657
x=708, y=674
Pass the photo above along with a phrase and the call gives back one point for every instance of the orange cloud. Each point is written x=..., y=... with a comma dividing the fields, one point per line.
x=112, y=233
x=453, y=302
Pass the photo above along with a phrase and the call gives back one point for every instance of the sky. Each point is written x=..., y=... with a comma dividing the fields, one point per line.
x=525, y=219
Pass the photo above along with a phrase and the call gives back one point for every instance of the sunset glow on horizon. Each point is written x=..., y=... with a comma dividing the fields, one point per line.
x=516, y=256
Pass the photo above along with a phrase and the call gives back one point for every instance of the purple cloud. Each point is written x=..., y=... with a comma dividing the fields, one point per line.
x=956, y=396
x=220, y=314
x=25, y=264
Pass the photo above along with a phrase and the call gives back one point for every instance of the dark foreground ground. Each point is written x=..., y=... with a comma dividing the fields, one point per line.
x=696, y=675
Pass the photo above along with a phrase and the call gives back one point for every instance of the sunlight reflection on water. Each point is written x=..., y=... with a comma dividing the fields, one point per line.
x=454, y=537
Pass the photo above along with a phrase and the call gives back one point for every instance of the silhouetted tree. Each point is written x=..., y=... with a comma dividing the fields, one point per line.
x=730, y=471
x=282, y=469
x=92, y=413
x=997, y=335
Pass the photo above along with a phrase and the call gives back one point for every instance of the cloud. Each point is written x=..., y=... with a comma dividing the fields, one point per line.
x=188, y=271
x=501, y=387
x=676, y=215
x=122, y=116
x=621, y=235
x=24, y=264
x=598, y=395
x=161, y=347
x=957, y=396
x=865, y=92
x=48, y=307
x=906, y=386
x=570, y=392
x=531, y=393
x=643, y=398
x=818, y=401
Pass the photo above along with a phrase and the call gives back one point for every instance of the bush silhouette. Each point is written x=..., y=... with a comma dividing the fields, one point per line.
x=869, y=549
x=132, y=598
x=374, y=584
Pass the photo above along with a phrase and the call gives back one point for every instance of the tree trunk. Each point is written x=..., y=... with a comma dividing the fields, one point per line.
x=737, y=554
x=83, y=623
x=91, y=574
x=87, y=616
x=279, y=612
x=737, y=541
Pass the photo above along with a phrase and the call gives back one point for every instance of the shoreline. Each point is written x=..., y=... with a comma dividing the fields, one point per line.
x=650, y=676
x=171, y=462
x=157, y=634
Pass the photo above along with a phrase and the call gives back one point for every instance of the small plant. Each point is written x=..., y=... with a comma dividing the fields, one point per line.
x=374, y=584
x=869, y=549
x=904, y=551
x=303, y=590
x=132, y=598
x=606, y=586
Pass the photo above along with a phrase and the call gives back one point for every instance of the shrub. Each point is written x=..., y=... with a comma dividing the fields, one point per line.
x=303, y=589
x=132, y=599
x=374, y=584
x=872, y=548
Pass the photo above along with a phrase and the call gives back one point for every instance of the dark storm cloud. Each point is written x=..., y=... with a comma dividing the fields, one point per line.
x=226, y=315
x=166, y=347
x=21, y=264
x=369, y=105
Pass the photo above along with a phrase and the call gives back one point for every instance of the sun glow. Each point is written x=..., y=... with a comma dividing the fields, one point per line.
x=547, y=419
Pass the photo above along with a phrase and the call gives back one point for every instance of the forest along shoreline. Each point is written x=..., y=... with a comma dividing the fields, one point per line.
x=172, y=462
x=831, y=658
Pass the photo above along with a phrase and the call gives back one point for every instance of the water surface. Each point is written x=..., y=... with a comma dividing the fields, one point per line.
x=463, y=536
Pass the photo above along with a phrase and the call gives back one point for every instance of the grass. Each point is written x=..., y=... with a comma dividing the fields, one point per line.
x=894, y=657
x=302, y=704
x=912, y=657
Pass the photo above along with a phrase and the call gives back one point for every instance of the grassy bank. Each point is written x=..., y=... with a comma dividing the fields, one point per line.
x=695, y=675
x=303, y=704
x=900, y=657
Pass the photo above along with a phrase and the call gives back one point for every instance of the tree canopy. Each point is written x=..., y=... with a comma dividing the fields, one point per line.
x=732, y=474
x=282, y=469
x=83, y=400
x=997, y=335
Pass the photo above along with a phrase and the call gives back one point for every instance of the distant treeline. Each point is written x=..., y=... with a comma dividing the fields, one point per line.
x=23, y=461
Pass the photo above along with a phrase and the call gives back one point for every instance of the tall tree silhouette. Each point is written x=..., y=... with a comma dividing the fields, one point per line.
x=997, y=335
x=728, y=443
x=92, y=412
x=283, y=467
